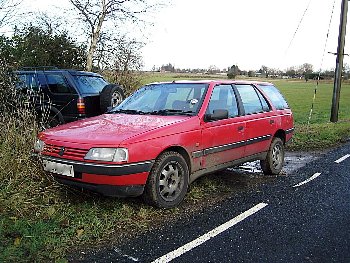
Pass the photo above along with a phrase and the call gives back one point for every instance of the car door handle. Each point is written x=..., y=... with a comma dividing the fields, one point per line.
x=272, y=121
x=240, y=128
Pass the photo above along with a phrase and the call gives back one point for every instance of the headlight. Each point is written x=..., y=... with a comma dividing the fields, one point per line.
x=39, y=146
x=108, y=154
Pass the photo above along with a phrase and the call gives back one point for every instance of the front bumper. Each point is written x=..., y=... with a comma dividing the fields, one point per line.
x=107, y=179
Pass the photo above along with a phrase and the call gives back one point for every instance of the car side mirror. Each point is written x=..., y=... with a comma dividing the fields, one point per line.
x=217, y=115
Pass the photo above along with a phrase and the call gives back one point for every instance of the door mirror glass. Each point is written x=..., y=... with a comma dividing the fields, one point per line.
x=218, y=114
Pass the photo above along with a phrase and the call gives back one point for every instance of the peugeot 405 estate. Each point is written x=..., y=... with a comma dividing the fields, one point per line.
x=166, y=135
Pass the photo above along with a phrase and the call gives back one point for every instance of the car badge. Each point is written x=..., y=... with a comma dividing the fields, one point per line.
x=61, y=152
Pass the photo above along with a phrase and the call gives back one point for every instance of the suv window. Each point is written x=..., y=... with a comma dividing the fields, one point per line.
x=90, y=84
x=275, y=96
x=57, y=83
x=28, y=81
x=223, y=97
x=250, y=99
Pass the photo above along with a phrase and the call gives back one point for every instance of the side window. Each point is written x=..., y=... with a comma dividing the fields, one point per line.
x=263, y=101
x=250, y=99
x=33, y=83
x=223, y=98
x=57, y=83
x=22, y=81
x=28, y=81
x=275, y=96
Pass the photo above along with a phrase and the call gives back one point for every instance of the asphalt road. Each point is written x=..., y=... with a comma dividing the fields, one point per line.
x=303, y=217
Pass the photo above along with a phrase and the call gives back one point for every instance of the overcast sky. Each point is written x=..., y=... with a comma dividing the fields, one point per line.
x=249, y=33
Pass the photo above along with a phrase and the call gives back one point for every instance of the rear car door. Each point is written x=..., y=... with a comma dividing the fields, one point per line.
x=260, y=120
x=223, y=140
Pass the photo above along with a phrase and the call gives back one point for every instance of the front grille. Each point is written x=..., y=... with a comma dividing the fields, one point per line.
x=64, y=152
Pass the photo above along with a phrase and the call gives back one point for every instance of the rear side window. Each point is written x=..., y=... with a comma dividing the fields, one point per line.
x=250, y=99
x=275, y=96
x=90, y=84
x=57, y=83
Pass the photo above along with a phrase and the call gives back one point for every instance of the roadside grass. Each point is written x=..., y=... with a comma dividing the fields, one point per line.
x=41, y=221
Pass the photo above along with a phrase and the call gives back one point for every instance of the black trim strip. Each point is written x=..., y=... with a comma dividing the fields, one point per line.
x=225, y=147
x=230, y=146
x=105, y=169
x=290, y=130
x=197, y=154
x=258, y=139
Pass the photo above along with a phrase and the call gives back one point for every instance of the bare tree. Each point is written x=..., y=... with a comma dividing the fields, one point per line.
x=96, y=14
x=8, y=10
x=121, y=59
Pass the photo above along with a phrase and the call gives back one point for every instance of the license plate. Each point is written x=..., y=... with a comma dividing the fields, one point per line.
x=58, y=168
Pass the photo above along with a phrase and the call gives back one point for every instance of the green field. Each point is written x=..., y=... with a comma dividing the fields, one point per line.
x=41, y=221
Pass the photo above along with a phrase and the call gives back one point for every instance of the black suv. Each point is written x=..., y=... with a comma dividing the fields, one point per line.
x=62, y=95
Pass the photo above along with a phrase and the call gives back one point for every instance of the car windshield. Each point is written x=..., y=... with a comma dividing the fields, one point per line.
x=164, y=99
x=90, y=84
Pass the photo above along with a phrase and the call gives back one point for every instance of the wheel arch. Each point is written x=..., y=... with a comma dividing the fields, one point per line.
x=181, y=151
x=280, y=134
x=51, y=109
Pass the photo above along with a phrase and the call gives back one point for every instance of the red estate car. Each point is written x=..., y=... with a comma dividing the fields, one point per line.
x=166, y=135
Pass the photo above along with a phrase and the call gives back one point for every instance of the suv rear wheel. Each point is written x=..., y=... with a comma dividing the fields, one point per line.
x=275, y=157
x=111, y=95
x=48, y=117
x=168, y=181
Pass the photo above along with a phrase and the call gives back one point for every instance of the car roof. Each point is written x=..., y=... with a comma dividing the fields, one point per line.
x=71, y=71
x=215, y=82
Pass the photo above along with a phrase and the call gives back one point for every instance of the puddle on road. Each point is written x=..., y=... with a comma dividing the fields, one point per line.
x=292, y=162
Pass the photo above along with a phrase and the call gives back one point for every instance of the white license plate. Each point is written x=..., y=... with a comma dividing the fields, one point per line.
x=58, y=168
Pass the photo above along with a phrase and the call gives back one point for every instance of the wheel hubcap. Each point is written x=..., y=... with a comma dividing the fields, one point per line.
x=171, y=181
x=116, y=99
x=277, y=156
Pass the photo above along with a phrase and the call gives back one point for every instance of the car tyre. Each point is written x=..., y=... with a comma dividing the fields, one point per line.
x=111, y=95
x=273, y=163
x=168, y=181
x=48, y=117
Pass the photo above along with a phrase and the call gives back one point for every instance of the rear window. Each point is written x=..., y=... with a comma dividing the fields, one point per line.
x=275, y=96
x=90, y=84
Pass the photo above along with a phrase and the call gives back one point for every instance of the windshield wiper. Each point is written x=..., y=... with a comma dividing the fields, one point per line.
x=171, y=111
x=127, y=111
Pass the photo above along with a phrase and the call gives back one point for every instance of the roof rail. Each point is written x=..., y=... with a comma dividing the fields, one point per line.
x=39, y=68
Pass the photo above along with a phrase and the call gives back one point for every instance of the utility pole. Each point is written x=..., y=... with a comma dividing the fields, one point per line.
x=339, y=62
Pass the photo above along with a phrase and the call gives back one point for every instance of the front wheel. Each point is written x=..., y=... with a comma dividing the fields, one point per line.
x=168, y=181
x=275, y=157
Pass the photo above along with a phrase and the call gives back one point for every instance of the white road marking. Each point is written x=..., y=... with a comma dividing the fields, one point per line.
x=308, y=180
x=125, y=256
x=202, y=239
x=342, y=158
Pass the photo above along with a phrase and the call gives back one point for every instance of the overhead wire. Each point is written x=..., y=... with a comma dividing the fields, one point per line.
x=297, y=29
x=321, y=66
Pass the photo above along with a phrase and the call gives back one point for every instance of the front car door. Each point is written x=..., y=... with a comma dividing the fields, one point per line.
x=223, y=140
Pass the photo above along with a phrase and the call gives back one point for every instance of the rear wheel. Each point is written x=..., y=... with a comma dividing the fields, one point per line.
x=168, y=181
x=48, y=117
x=275, y=157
